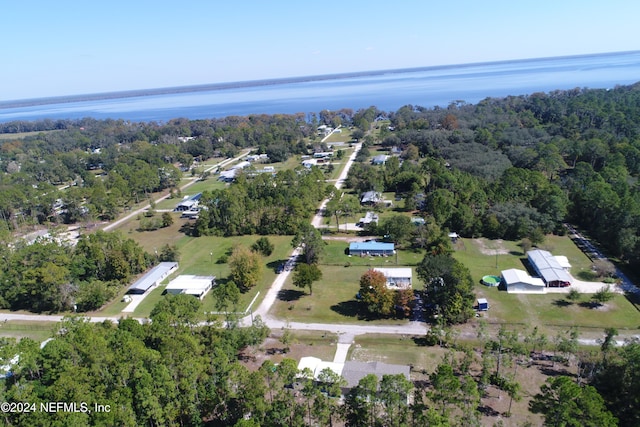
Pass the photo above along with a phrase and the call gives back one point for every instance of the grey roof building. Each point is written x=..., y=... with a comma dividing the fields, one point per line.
x=548, y=268
x=152, y=278
x=371, y=197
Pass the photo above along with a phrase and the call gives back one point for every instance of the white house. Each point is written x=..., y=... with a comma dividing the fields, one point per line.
x=519, y=282
x=397, y=278
x=368, y=218
x=198, y=286
x=371, y=198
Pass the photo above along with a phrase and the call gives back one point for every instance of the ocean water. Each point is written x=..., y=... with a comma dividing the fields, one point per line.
x=387, y=90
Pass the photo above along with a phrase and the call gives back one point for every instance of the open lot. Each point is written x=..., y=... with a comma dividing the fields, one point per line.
x=37, y=331
x=198, y=256
x=333, y=299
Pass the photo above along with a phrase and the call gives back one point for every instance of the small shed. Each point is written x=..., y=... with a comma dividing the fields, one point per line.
x=483, y=304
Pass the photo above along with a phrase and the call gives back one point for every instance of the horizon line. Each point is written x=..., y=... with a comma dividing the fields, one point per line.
x=135, y=93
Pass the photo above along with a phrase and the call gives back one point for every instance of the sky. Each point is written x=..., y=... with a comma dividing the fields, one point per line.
x=64, y=47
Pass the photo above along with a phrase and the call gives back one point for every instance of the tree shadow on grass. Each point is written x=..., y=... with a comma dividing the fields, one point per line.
x=352, y=308
x=289, y=295
x=187, y=229
x=589, y=304
x=562, y=303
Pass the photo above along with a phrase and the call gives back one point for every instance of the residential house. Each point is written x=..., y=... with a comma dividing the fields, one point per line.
x=548, y=268
x=371, y=198
x=397, y=278
x=371, y=249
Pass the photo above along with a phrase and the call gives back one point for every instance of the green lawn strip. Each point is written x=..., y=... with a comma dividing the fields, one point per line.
x=37, y=331
x=146, y=306
x=580, y=263
x=154, y=240
x=113, y=308
x=333, y=299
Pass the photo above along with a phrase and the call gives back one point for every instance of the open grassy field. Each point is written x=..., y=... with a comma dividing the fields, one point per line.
x=400, y=350
x=18, y=329
x=550, y=311
x=333, y=299
x=344, y=135
x=154, y=240
x=21, y=135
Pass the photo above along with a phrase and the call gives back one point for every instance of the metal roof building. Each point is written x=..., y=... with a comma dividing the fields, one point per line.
x=549, y=269
x=198, y=286
x=152, y=278
x=371, y=248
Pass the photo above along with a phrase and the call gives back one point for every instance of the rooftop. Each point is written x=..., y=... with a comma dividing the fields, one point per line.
x=371, y=246
x=548, y=266
x=153, y=276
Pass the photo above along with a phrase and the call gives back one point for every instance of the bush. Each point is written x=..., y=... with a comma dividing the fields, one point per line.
x=263, y=246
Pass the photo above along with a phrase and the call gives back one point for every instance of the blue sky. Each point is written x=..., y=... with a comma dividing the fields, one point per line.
x=63, y=47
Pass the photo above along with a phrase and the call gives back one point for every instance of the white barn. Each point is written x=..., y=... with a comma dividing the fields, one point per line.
x=520, y=282
x=198, y=286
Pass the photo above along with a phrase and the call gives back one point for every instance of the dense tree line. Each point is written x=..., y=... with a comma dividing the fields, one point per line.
x=49, y=276
x=262, y=205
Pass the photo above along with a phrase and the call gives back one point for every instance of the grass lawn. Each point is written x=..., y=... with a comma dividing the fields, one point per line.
x=400, y=350
x=198, y=256
x=150, y=301
x=18, y=329
x=343, y=136
x=333, y=299
x=154, y=240
x=549, y=311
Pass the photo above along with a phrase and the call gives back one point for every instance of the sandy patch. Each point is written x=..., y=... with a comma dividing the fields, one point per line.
x=491, y=247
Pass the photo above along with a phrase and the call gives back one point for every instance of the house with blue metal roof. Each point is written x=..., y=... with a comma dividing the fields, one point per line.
x=371, y=248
